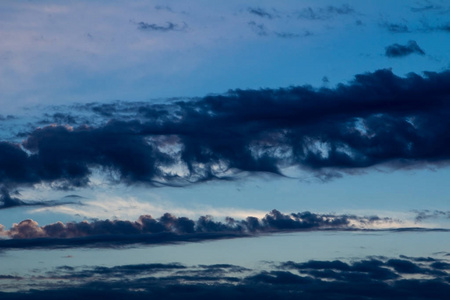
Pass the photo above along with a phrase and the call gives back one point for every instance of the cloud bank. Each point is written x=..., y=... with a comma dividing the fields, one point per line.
x=367, y=278
x=169, y=229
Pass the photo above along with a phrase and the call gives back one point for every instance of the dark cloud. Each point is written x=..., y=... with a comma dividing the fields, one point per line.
x=170, y=229
x=169, y=26
x=7, y=201
x=333, y=280
x=397, y=50
x=378, y=119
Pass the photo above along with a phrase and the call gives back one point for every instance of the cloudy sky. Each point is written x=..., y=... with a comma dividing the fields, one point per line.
x=183, y=149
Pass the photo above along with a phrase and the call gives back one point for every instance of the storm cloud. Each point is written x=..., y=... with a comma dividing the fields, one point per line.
x=378, y=119
x=171, y=229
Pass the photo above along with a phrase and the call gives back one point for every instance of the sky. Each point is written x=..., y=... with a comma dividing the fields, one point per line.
x=190, y=149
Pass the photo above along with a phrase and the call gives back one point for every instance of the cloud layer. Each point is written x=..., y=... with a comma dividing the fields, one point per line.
x=368, y=278
x=377, y=119
x=169, y=228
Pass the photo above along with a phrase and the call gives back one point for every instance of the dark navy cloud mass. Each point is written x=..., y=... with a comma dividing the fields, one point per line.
x=376, y=119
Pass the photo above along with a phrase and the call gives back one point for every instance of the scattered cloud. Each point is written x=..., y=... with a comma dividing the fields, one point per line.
x=368, y=278
x=397, y=50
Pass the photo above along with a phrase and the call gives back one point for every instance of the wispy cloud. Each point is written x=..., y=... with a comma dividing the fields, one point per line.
x=260, y=12
x=323, y=13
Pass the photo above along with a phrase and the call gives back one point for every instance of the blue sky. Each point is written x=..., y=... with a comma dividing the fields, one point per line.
x=208, y=111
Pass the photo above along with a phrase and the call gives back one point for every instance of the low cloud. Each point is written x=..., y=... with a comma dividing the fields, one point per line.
x=169, y=229
x=367, y=278
x=397, y=50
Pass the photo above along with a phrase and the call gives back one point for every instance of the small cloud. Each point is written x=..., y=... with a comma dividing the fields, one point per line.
x=397, y=50
x=169, y=26
x=290, y=35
